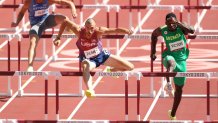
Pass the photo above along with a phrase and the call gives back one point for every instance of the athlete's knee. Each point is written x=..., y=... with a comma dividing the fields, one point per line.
x=85, y=64
x=130, y=67
x=61, y=19
x=171, y=65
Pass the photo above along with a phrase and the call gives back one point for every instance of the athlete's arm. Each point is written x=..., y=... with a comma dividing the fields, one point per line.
x=186, y=28
x=66, y=2
x=104, y=30
x=154, y=38
x=70, y=26
x=21, y=13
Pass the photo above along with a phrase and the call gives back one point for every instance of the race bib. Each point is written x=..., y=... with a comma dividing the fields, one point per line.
x=176, y=45
x=92, y=52
x=41, y=12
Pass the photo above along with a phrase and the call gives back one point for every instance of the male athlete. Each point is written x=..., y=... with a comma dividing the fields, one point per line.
x=40, y=20
x=174, y=56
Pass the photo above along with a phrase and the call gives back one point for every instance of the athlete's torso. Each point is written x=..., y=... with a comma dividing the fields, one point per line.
x=38, y=12
x=89, y=48
x=176, y=43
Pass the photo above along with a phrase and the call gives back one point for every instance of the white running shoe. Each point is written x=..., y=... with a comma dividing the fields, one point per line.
x=169, y=89
x=30, y=69
x=171, y=117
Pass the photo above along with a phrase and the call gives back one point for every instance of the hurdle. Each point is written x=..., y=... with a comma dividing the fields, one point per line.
x=14, y=6
x=137, y=36
x=126, y=75
x=9, y=38
x=21, y=91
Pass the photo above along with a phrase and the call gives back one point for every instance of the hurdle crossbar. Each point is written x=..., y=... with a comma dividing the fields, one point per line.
x=135, y=36
x=127, y=74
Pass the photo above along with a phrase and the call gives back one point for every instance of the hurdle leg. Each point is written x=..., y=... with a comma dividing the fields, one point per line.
x=138, y=96
x=20, y=91
x=126, y=98
x=57, y=98
x=44, y=55
x=54, y=56
x=9, y=93
x=46, y=99
x=208, y=100
x=152, y=91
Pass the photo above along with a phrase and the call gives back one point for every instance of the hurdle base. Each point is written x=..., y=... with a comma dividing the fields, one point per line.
x=54, y=58
x=22, y=59
x=57, y=117
x=163, y=94
x=51, y=95
x=45, y=57
x=8, y=94
x=199, y=96
x=121, y=95
x=192, y=95
x=20, y=93
x=170, y=121
x=45, y=116
x=153, y=93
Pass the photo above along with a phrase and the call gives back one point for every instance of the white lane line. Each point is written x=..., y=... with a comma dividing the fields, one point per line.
x=158, y=95
x=43, y=66
x=152, y=105
x=2, y=1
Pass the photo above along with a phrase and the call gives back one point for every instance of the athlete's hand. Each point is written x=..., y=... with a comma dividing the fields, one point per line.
x=14, y=24
x=172, y=20
x=74, y=14
x=57, y=42
x=153, y=57
x=130, y=31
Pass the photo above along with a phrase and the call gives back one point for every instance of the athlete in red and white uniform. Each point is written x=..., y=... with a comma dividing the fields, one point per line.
x=92, y=54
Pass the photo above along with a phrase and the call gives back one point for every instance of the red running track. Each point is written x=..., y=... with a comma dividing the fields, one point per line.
x=112, y=108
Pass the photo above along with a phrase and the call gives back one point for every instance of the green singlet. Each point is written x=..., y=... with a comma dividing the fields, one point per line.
x=177, y=50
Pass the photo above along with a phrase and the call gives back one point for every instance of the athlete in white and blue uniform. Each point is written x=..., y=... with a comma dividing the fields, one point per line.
x=92, y=54
x=40, y=20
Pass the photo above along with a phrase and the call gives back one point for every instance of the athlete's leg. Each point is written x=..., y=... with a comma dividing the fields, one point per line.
x=170, y=64
x=54, y=19
x=179, y=83
x=177, y=99
x=88, y=66
x=59, y=19
x=118, y=64
x=32, y=50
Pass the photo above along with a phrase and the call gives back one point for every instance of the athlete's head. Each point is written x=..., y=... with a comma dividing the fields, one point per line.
x=39, y=1
x=90, y=26
x=171, y=21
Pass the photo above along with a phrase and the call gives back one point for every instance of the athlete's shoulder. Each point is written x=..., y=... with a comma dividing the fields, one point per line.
x=163, y=27
x=27, y=3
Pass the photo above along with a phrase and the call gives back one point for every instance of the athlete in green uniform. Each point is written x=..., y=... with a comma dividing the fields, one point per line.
x=174, y=56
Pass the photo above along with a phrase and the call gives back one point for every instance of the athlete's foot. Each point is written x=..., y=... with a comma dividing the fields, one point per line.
x=90, y=93
x=30, y=69
x=170, y=116
x=169, y=89
x=108, y=69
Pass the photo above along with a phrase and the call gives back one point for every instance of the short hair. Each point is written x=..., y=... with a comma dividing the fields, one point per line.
x=169, y=15
x=89, y=21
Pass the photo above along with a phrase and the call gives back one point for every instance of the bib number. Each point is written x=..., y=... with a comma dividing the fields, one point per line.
x=41, y=12
x=176, y=45
x=92, y=52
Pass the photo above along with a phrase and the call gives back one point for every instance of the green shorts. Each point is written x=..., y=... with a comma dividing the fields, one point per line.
x=179, y=67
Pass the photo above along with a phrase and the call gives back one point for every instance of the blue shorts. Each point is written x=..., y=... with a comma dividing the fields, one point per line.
x=40, y=27
x=99, y=59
